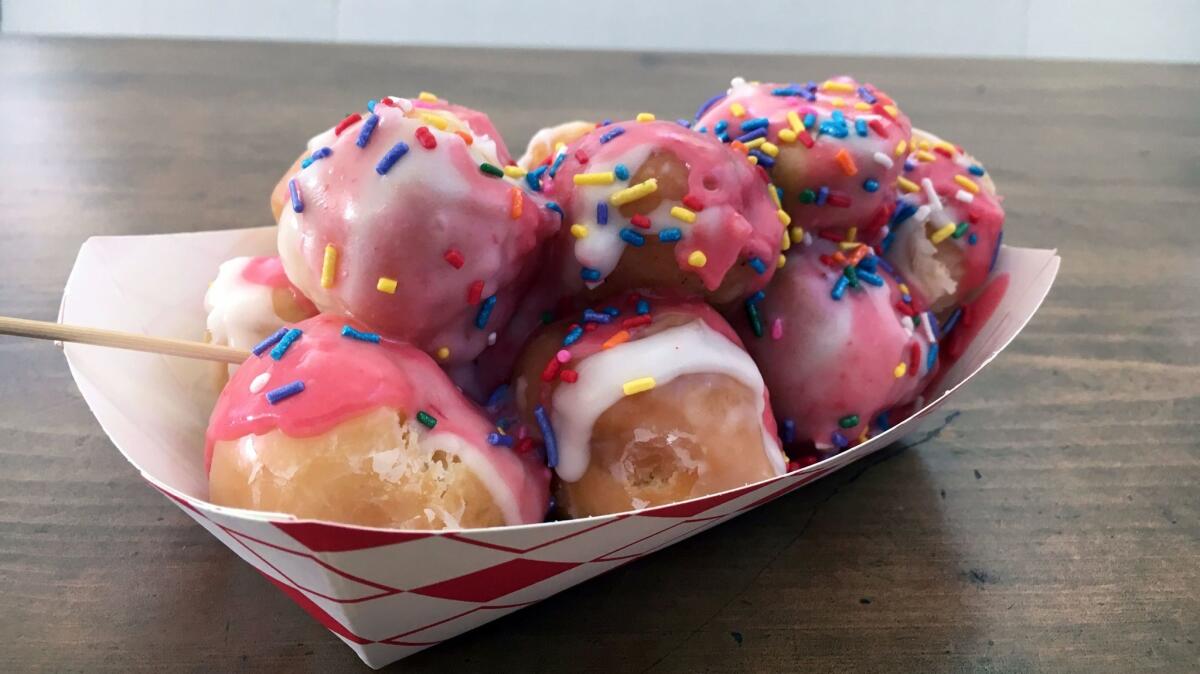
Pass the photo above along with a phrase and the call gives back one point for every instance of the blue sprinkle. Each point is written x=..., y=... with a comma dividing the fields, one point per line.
x=972, y=238
x=870, y=184
x=764, y=160
x=887, y=266
x=779, y=193
x=368, y=127
x=886, y=244
x=860, y=127
x=371, y=104
x=789, y=431
x=752, y=135
x=268, y=342
x=758, y=265
x=839, y=440
x=285, y=343
x=612, y=311
x=294, y=191
x=602, y=213
x=702, y=129
x=720, y=126
x=643, y=307
x=868, y=263
x=590, y=316
x=605, y=122
x=390, y=158
x=723, y=137
x=670, y=234
x=882, y=421
x=348, y=331
x=756, y=123
x=822, y=195
x=931, y=357
x=553, y=205
x=534, y=178
x=621, y=171
x=788, y=91
x=485, y=312
x=838, y=117
x=909, y=166
x=835, y=130
x=904, y=211
x=306, y=163
x=277, y=395
x=684, y=123
x=497, y=396
x=547, y=436
x=933, y=323
x=573, y=336
x=996, y=253
x=562, y=156
x=708, y=104
x=906, y=298
x=505, y=423
x=809, y=119
x=589, y=274
x=613, y=133
x=756, y=297
x=975, y=169
x=868, y=97
x=839, y=288
x=873, y=279
x=950, y=323
x=498, y=440
x=632, y=238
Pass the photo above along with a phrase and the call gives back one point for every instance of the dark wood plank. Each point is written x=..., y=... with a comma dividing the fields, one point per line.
x=1052, y=524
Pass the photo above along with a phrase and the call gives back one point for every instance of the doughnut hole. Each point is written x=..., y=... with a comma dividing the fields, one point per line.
x=379, y=469
x=280, y=195
x=789, y=173
x=672, y=175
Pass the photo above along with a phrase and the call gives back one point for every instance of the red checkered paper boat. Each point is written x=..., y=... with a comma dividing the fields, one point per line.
x=391, y=593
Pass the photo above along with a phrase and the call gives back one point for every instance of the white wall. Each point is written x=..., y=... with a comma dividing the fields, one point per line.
x=1127, y=30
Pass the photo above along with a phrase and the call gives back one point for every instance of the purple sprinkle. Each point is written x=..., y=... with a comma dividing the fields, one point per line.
x=602, y=213
x=789, y=431
x=268, y=342
x=368, y=127
x=590, y=316
x=498, y=440
x=547, y=436
x=865, y=94
x=840, y=440
x=275, y=396
x=391, y=157
x=297, y=201
x=609, y=135
x=708, y=104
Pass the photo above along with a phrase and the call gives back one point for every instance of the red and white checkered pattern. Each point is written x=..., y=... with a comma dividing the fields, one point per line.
x=388, y=594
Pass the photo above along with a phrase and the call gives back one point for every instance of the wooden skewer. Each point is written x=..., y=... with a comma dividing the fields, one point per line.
x=22, y=327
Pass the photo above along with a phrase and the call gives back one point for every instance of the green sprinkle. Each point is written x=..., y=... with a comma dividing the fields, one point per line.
x=490, y=170
x=917, y=321
x=808, y=196
x=851, y=276
x=848, y=421
x=961, y=230
x=755, y=320
x=426, y=419
x=547, y=317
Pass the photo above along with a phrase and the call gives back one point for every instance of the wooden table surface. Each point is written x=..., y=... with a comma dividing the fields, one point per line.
x=1052, y=524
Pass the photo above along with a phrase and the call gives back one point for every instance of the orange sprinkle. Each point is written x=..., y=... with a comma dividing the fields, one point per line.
x=619, y=338
x=845, y=161
x=467, y=138
x=857, y=256
x=739, y=146
x=518, y=203
x=839, y=258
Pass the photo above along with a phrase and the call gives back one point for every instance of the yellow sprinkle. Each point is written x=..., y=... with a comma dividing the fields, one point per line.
x=386, y=285
x=633, y=193
x=787, y=136
x=900, y=370
x=770, y=148
x=942, y=234
x=904, y=289
x=862, y=105
x=329, y=266
x=604, y=178
x=697, y=258
x=426, y=96
x=443, y=353
x=967, y=184
x=852, y=234
x=736, y=109
x=907, y=185
x=925, y=155
x=891, y=110
x=948, y=147
x=645, y=117
x=435, y=120
x=837, y=101
x=782, y=261
x=515, y=171
x=795, y=122
x=752, y=159
x=848, y=245
x=797, y=233
x=774, y=196
x=786, y=242
x=838, y=87
x=755, y=143
x=900, y=148
x=579, y=231
x=681, y=213
x=635, y=386
x=783, y=217
x=925, y=145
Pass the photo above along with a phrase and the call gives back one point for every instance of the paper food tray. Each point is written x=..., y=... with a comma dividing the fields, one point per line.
x=390, y=593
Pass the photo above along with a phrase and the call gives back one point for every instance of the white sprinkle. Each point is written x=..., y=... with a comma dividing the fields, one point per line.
x=492, y=339
x=907, y=323
x=964, y=196
x=931, y=195
x=883, y=160
x=927, y=324
x=808, y=240
x=404, y=104
x=260, y=382
x=922, y=214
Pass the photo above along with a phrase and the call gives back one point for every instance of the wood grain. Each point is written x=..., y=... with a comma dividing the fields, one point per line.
x=1053, y=524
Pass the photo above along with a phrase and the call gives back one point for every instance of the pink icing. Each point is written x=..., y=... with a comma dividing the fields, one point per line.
x=835, y=358
x=268, y=271
x=431, y=206
x=479, y=123
x=866, y=210
x=747, y=224
x=975, y=314
x=344, y=378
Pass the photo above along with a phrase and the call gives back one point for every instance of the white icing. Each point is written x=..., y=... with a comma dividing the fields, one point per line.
x=543, y=142
x=481, y=467
x=240, y=313
x=692, y=348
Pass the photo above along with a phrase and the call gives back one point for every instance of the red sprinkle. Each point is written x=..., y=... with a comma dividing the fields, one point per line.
x=454, y=257
x=475, y=292
x=640, y=220
x=878, y=127
x=905, y=309
x=914, y=358
x=838, y=199
x=569, y=376
x=693, y=202
x=551, y=369
x=581, y=156
x=425, y=138
x=830, y=235
x=345, y=123
x=941, y=149
x=879, y=109
x=967, y=317
x=590, y=327
x=637, y=321
x=387, y=100
x=828, y=261
x=805, y=139
x=524, y=445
